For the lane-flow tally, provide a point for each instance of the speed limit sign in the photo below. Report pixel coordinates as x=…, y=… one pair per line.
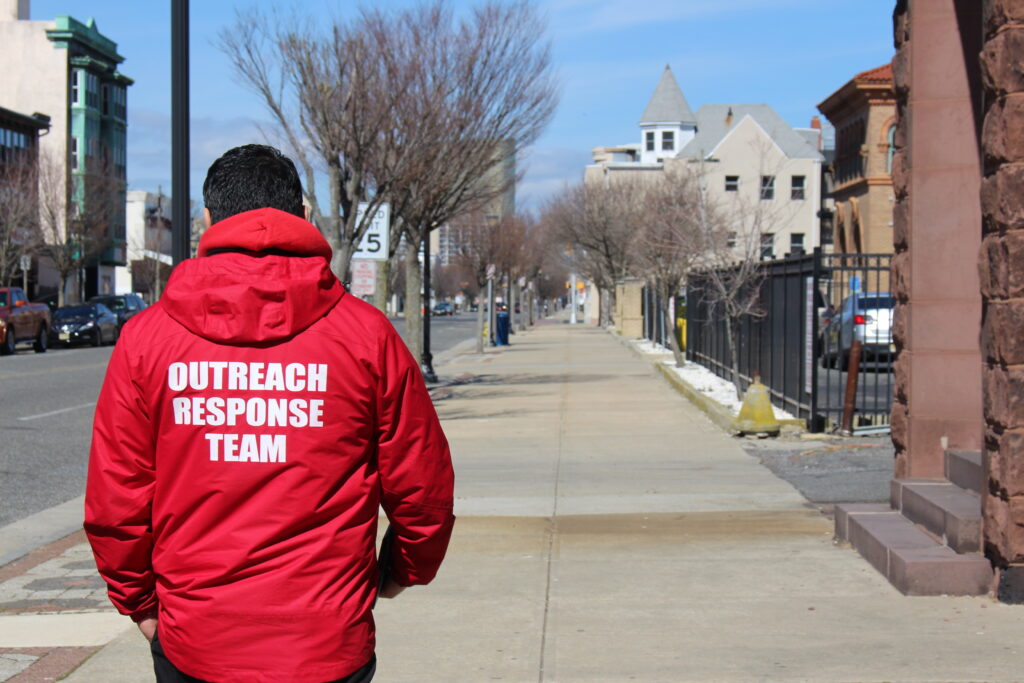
x=374, y=244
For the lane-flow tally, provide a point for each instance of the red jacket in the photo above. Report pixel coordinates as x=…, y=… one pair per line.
x=249, y=426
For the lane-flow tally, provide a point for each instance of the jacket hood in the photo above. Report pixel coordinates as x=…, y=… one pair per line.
x=245, y=298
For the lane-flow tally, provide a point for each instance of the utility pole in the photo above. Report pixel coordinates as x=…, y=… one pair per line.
x=181, y=209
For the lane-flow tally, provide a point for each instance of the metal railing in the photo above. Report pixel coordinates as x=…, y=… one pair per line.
x=800, y=338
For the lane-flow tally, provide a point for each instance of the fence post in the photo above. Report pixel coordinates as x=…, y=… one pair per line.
x=814, y=423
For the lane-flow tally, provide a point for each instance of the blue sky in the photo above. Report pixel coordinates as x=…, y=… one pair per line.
x=608, y=56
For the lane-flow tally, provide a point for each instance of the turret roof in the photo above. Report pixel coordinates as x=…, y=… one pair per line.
x=667, y=104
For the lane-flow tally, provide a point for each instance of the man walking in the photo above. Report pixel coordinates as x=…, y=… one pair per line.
x=249, y=426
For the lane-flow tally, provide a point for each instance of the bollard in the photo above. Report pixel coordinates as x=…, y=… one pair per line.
x=850, y=399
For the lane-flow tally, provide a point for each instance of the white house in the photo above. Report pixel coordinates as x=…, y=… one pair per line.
x=759, y=170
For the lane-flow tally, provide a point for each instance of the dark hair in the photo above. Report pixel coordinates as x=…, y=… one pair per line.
x=252, y=177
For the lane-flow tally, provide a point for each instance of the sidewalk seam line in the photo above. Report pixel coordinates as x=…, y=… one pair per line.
x=554, y=522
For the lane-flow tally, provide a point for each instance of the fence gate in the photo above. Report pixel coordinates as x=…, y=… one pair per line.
x=810, y=309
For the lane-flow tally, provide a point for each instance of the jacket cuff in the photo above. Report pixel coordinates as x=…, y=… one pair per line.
x=144, y=614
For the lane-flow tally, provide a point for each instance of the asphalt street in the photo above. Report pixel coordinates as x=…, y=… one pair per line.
x=46, y=418
x=445, y=331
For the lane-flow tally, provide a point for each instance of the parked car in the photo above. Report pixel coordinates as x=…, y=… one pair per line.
x=21, y=321
x=93, y=323
x=866, y=317
x=443, y=308
x=124, y=306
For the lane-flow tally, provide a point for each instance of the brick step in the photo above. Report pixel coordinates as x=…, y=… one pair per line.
x=946, y=510
x=965, y=469
x=912, y=561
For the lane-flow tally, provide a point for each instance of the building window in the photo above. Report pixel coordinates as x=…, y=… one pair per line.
x=797, y=188
x=732, y=183
x=74, y=153
x=650, y=140
x=106, y=100
x=730, y=240
x=668, y=141
x=767, y=187
x=74, y=87
x=796, y=243
x=767, y=246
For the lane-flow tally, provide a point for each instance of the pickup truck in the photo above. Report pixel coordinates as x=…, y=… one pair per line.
x=21, y=321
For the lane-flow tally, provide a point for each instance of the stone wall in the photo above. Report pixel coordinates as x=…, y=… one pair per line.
x=901, y=237
x=1001, y=265
x=936, y=233
x=629, y=315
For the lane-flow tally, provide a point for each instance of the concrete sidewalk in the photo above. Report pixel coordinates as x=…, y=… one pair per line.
x=609, y=532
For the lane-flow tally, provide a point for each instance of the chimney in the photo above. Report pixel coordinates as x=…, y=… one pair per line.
x=816, y=125
x=14, y=10
x=728, y=117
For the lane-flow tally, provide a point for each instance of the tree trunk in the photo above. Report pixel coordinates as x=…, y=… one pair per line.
x=734, y=357
x=607, y=296
x=513, y=297
x=380, y=287
x=670, y=326
x=413, y=301
x=480, y=321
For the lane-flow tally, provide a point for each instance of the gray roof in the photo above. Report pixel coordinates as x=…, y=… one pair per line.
x=667, y=104
x=712, y=128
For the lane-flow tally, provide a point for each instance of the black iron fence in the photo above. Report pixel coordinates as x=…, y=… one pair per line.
x=810, y=313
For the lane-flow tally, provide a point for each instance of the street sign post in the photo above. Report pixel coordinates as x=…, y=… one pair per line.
x=374, y=245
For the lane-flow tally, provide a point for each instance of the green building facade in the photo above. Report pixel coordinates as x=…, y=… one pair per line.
x=97, y=146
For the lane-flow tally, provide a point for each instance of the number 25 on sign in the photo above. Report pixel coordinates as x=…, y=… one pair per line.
x=374, y=244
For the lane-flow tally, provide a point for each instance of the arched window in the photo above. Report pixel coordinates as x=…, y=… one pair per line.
x=892, y=149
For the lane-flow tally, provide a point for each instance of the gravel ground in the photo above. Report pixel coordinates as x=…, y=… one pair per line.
x=829, y=470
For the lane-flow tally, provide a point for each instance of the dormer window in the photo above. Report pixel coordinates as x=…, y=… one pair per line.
x=668, y=141
x=649, y=138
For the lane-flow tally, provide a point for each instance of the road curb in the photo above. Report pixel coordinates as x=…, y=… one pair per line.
x=716, y=412
x=22, y=537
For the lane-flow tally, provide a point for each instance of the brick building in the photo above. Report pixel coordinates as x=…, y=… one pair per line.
x=863, y=113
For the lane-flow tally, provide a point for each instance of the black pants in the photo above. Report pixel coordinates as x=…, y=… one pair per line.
x=168, y=673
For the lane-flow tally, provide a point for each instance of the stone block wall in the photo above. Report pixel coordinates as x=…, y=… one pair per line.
x=1001, y=269
x=901, y=238
x=936, y=178
x=629, y=316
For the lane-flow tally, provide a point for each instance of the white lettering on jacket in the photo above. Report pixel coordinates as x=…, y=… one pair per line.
x=253, y=411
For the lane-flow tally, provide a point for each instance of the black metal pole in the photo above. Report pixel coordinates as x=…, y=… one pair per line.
x=181, y=209
x=427, y=360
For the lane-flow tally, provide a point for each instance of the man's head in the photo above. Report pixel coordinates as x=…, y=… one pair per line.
x=252, y=177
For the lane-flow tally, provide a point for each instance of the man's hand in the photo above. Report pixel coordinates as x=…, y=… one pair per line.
x=148, y=627
x=390, y=589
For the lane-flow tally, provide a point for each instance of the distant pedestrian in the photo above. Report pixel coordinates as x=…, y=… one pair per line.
x=250, y=424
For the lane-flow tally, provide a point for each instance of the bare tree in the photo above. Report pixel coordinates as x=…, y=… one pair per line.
x=481, y=90
x=76, y=216
x=19, y=215
x=732, y=233
x=324, y=90
x=671, y=239
x=597, y=225
x=479, y=240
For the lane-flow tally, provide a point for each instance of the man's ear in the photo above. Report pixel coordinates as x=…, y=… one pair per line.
x=207, y=217
x=305, y=211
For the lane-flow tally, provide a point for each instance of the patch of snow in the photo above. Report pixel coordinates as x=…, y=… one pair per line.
x=649, y=347
x=717, y=389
